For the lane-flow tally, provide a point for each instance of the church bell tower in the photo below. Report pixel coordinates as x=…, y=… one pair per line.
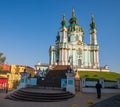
x=94, y=57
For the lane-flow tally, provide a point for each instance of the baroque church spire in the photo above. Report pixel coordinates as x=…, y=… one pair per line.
x=92, y=24
x=73, y=20
x=63, y=22
x=93, y=31
x=73, y=12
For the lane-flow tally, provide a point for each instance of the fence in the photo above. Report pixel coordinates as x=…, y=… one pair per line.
x=105, y=84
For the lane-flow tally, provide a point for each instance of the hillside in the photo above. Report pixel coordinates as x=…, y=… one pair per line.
x=94, y=75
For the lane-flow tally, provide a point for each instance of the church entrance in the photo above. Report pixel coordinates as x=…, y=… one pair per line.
x=79, y=62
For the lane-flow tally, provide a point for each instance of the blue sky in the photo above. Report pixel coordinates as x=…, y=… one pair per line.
x=29, y=27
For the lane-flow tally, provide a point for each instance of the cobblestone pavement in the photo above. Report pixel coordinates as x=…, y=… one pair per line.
x=80, y=100
x=110, y=102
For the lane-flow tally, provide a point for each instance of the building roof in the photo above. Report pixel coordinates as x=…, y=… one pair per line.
x=3, y=77
x=4, y=72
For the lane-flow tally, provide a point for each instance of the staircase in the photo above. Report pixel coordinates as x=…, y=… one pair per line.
x=53, y=78
x=39, y=95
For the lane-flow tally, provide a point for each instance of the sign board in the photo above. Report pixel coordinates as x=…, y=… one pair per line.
x=33, y=81
x=63, y=83
x=22, y=81
x=70, y=82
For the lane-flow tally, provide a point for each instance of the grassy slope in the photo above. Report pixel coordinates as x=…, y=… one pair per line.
x=94, y=75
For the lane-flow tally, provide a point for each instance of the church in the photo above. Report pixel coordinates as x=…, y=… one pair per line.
x=70, y=47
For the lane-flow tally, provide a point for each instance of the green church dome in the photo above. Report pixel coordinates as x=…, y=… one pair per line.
x=73, y=20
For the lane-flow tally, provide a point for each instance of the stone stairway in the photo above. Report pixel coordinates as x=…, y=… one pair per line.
x=53, y=78
x=39, y=95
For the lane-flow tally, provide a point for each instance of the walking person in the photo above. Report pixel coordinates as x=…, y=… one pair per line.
x=6, y=90
x=98, y=88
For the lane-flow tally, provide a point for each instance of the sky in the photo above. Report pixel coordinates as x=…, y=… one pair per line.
x=29, y=27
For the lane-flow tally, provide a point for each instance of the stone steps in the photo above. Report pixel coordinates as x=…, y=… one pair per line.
x=24, y=95
x=52, y=79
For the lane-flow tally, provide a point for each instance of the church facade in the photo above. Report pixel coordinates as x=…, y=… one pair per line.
x=70, y=47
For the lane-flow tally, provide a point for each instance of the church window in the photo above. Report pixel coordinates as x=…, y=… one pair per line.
x=77, y=29
x=77, y=37
x=71, y=39
x=79, y=51
x=79, y=62
x=68, y=29
x=68, y=38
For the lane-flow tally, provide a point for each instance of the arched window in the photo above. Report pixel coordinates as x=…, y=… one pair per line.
x=77, y=37
x=79, y=62
x=68, y=38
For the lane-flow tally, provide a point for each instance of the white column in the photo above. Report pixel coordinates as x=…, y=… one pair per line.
x=93, y=63
x=52, y=57
x=85, y=58
x=73, y=57
x=63, y=57
x=95, y=42
x=94, y=54
x=60, y=57
x=96, y=62
x=66, y=57
x=61, y=37
x=96, y=59
x=89, y=58
x=97, y=55
x=93, y=38
x=70, y=55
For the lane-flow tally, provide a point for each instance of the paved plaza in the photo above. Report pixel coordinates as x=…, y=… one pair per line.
x=110, y=102
x=80, y=100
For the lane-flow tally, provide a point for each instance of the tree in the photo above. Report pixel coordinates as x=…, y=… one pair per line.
x=2, y=58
